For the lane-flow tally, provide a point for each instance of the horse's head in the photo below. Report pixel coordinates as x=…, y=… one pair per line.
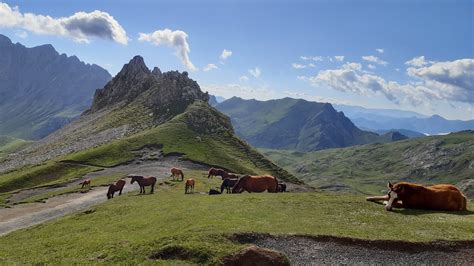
x=238, y=187
x=135, y=178
x=395, y=191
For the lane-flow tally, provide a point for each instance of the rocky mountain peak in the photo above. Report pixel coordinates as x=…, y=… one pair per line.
x=157, y=72
x=136, y=66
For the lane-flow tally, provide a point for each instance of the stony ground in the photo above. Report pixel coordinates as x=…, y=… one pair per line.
x=303, y=250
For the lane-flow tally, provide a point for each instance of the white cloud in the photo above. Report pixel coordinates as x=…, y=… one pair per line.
x=370, y=66
x=225, y=54
x=417, y=61
x=352, y=66
x=379, y=50
x=374, y=59
x=243, y=78
x=80, y=27
x=450, y=81
x=210, y=67
x=298, y=66
x=176, y=39
x=256, y=72
x=243, y=91
x=339, y=58
x=311, y=65
x=312, y=58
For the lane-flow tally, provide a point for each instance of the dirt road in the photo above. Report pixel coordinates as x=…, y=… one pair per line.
x=25, y=215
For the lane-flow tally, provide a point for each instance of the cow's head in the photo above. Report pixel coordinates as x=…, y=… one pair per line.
x=394, y=194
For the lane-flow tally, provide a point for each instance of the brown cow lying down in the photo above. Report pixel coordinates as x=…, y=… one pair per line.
x=441, y=197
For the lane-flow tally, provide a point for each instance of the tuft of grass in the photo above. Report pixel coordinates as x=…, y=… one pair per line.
x=171, y=227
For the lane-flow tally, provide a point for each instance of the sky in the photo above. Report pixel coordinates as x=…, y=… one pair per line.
x=407, y=55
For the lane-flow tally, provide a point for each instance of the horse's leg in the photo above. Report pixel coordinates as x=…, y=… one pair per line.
x=152, y=187
x=120, y=193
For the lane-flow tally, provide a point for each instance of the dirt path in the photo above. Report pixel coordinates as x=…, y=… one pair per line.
x=25, y=215
x=303, y=250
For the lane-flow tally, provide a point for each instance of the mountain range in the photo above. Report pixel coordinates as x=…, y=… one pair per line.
x=42, y=90
x=296, y=124
x=387, y=119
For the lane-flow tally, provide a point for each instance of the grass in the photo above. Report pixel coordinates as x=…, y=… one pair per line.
x=366, y=169
x=130, y=228
x=96, y=182
x=11, y=144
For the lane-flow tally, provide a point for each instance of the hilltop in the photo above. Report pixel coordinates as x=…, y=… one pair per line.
x=296, y=124
x=137, y=110
x=42, y=90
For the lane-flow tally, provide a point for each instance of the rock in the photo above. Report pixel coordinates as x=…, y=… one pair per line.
x=467, y=188
x=254, y=255
x=157, y=72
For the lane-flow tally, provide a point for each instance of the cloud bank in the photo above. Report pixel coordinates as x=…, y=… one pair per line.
x=81, y=26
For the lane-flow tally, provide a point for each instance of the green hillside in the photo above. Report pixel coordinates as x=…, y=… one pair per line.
x=10, y=144
x=201, y=134
x=132, y=229
x=296, y=124
x=366, y=169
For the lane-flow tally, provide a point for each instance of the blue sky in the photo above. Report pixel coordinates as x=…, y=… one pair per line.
x=279, y=49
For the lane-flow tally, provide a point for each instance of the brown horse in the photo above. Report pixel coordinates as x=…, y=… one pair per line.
x=217, y=172
x=189, y=186
x=85, y=183
x=443, y=197
x=256, y=184
x=144, y=182
x=118, y=186
x=177, y=172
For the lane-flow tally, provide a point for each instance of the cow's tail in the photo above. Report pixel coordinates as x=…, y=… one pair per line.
x=464, y=203
x=276, y=188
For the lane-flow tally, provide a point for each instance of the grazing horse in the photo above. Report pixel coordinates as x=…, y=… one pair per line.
x=256, y=184
x=118, y=186
x=216, y=172
x=228, y=184
x=85, y=183
x=189, y=186
x=441, y=197
x=177, y=172
x=281, y=187
x=144, y=182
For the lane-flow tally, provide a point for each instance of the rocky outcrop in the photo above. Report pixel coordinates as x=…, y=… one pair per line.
x=40, y=88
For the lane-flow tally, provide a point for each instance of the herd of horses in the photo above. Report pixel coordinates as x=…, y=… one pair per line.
x=443, y=197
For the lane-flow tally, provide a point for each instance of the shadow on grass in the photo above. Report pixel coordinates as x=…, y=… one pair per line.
x=422, y=212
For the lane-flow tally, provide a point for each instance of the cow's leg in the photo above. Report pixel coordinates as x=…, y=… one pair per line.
x=377, y=198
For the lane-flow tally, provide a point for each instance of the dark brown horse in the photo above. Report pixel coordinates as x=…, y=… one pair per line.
x=216, y=172
x=256, y=184
x=230, y=176
x=85, y=183
x=189, y=186
x=228, y=184
x=177, y=172
x=118, y=186
x=281, y=187
x=144, y=182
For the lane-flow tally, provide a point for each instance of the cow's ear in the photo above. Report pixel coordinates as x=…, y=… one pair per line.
x=389, y=185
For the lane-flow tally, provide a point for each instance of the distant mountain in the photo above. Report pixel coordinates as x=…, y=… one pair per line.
x=215, y=100
x=386, y=119
x=409, y=133
x=296, y=124
x=433, y=125
x=41, y=90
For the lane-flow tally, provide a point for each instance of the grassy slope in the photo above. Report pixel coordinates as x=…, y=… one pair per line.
x=11, y=144
x=129, y=228
x=220, y=148
x=368, y=168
